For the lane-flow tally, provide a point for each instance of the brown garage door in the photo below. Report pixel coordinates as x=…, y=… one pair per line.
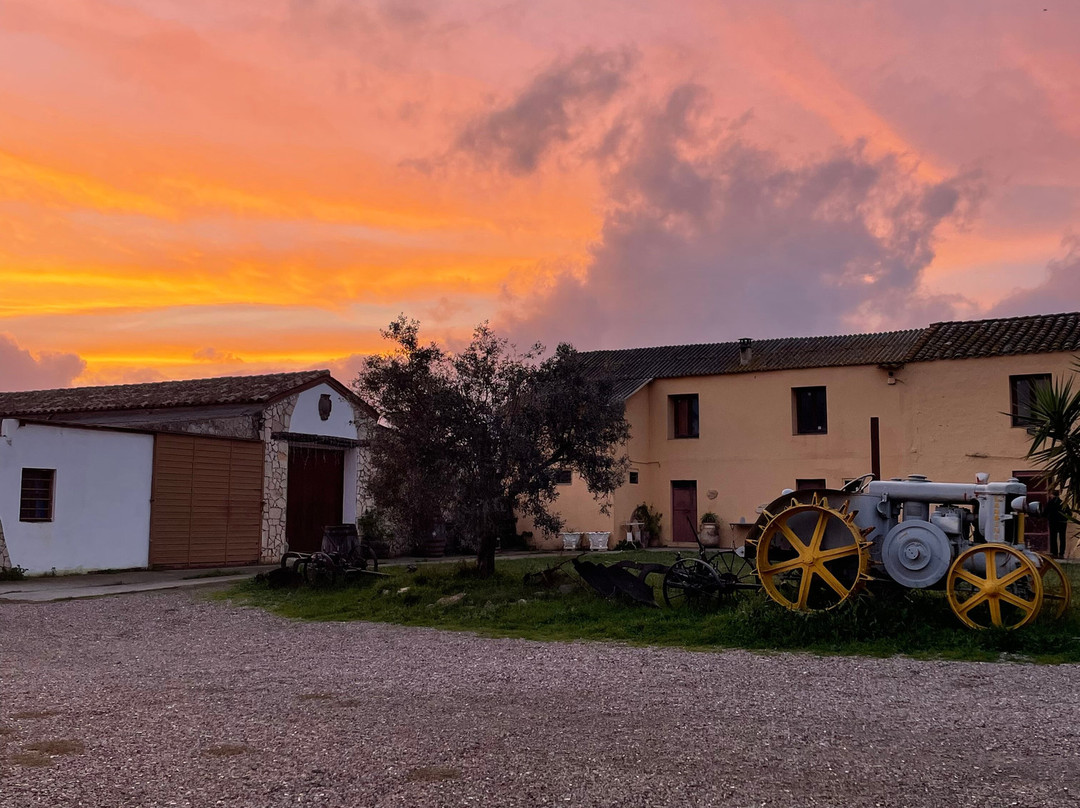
x=206, y=506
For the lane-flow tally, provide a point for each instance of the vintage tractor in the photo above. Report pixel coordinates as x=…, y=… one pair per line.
x=815, y=549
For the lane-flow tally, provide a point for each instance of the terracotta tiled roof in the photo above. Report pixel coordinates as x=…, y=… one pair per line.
x=1044, y=333
x=159, y=395
x=632, y=368
x=642, y=364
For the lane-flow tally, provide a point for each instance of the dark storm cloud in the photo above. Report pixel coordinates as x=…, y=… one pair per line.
x=713, y=243
x=549, y=111
x=19, y=370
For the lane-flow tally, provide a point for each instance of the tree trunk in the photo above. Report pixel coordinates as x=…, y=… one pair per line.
x=485, y=555
x=489, y=539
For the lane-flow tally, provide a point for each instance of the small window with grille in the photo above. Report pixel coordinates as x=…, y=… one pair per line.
x=36, y=495
x=809, y=411
x=684, y=416
x=1022, y=394
x=563, y=477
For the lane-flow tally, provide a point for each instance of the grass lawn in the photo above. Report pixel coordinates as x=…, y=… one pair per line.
x=884, y=622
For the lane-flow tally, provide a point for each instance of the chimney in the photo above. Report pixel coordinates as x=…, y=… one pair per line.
x=745, y=354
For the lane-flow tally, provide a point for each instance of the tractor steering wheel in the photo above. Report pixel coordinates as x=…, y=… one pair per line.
x=858, y=484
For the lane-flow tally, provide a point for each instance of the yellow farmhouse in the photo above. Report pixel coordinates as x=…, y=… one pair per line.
x=725, y=427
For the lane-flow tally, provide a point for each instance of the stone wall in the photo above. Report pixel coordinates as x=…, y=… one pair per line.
x=364, y=424
x=276, y=419
x=234, y=422
x=275, y=478
x=5, y=559
x=230, y=427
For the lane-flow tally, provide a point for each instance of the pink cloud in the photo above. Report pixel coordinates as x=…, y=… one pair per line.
x=21, y=370
x=1060, y=291
x=710, y=239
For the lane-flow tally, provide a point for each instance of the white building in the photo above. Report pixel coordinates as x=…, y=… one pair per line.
x=194, y=473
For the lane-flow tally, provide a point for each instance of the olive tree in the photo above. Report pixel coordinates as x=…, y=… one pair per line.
x=475, y=435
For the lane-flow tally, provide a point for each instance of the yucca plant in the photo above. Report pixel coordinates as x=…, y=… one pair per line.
x=1055, y=439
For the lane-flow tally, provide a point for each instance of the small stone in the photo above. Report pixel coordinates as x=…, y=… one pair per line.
x=450, y=600
x=403, y=589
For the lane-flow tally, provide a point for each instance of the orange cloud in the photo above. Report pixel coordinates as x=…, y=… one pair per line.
x=277, y=180
x=782, y=56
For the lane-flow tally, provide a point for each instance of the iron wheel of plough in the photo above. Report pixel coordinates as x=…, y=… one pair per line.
x=692, y=582
x=735, y=572
x=320, y=570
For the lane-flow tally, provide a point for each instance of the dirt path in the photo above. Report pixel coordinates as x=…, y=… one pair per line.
x=170, y=700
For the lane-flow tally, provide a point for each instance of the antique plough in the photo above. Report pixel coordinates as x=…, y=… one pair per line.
x=626, y=578
x=344, y=557
x=701, y=582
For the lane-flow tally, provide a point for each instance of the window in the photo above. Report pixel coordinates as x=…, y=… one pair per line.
x=633, y=478
x=684, y=416
x=809, y=410
x=36, y=498
x=1022, y=392
x=807, y=485
x=563, y=477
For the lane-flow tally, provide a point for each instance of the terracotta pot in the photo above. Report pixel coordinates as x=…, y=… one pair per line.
x=710, y=534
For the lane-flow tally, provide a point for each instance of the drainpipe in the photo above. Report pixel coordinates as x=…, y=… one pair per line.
x=875, y=448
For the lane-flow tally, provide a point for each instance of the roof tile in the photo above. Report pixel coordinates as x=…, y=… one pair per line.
x=765, y=355
x=1044, y=333
x=157, y=395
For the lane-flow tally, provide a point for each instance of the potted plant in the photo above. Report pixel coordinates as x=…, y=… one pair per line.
x=650, y=524
x=710, y=529
x=373, y=530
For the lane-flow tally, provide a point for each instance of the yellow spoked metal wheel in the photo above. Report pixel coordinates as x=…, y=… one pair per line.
x=811, y=557
x=1057, y=591
x=994, y=585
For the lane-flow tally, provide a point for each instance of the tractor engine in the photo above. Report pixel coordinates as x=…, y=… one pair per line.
x=915, y=545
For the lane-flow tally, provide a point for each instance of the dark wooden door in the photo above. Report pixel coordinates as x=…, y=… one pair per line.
x=1036, y=528
x=316, y=491
x=683, y=510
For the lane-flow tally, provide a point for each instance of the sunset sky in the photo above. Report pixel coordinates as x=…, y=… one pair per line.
x=212, y=187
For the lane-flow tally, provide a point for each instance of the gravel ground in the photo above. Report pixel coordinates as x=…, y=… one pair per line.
x=171, y=700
